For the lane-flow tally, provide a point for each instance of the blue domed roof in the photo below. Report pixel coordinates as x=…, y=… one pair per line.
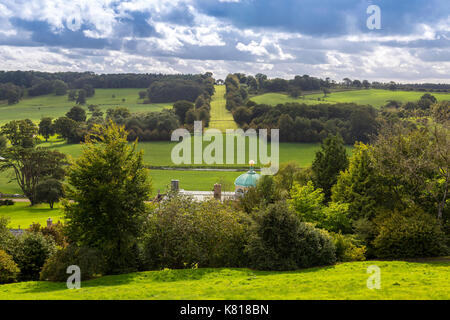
x=248, y=179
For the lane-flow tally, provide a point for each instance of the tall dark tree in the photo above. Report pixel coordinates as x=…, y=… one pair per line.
x=77, y=114
x=46, y=128
x=81, y=98
x=328, y=163
x=181, y=107
x=60, y=87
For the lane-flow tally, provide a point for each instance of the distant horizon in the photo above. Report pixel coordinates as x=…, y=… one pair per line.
x=223, y=78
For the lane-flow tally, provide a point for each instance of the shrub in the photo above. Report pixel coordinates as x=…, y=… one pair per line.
x=182, y=233
x=55, y=231
x=280, y=241
x=8, y=268
x=89, y=260
x=7, y=202
x=33, y=249
x=348, y=248
x=408, y=234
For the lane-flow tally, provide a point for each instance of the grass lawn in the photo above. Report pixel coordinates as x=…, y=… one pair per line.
x=158, y=153
x=399, y=280
x=374, y=97
x=221, y=118
x=21, y=214
x=273, y=99
x=35, y=108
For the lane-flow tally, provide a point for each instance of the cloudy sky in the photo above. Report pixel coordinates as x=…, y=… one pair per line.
x=281, y=38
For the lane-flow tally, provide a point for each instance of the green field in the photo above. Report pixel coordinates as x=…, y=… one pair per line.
x=35, y=108
x=158, y=153
x=399, y=280
x=22, y=215
x=374, y=97
x=221, y=118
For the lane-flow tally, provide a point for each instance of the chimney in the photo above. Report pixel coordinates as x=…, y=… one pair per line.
x=175, y=185
x=218, y=191
x=49, y=222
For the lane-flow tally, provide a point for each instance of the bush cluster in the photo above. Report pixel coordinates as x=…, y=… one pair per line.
x=89, y=260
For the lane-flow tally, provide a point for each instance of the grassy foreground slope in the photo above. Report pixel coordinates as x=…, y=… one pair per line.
x=221, y=118
x=35, y=108
x=374, y=97
x=399, y=280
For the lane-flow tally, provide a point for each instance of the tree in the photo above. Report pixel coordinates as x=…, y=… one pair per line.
x=326, y=92
x=81, y=98
x=20, y=133
x=49, y=191
x=77, y=114
x=242, y=115
x=109, y=185
x=65, y=126
x=46, y=128
x=60, y=87
x=31, y=166
x=72, y=95
x=89, y=89
x=142, y=94
x=181, y=107
x=366, y=84
x=415, y=165
x=328, y=163
x=360, y=186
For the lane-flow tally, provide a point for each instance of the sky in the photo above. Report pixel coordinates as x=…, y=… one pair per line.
x=280, y=38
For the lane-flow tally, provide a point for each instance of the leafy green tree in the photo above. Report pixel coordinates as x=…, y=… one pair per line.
x=67, y=129
x=359, y=186
x=118, y=115
x=181, y=107
x=81, y=98
x=49, y=191
x=242, y=115
x=20, y=133
x=77, y=114
x=307, y=202
x=60, y=87
x=109, y=185
x=72, y=95
x=46, y=128
x=31, y=166
x=328, y=163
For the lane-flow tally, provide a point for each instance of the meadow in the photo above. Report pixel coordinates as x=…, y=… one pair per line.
x=221, y=118
x=21, y=215
x=35, y=108
x=399, y=280
x=374, y=97
x=158, y=153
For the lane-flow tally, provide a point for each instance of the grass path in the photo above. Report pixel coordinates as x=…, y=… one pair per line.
x=399, y=280
x=221, y=118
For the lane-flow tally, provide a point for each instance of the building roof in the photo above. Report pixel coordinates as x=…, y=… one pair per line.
x=248, y=179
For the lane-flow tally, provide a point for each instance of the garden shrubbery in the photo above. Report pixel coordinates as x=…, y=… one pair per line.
x=407, y=234
x=8, y=268
x=89, y=260
x=280, y=241
x=183, y=233
x=30, y=253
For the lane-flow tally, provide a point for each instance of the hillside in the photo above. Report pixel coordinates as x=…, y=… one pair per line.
x=374, y=97
x=56, y=106
x=399, y=280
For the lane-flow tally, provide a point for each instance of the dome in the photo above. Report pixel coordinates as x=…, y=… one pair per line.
x=247, y=179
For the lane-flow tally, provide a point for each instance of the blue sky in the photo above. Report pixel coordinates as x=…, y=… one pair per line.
x=281, y=38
